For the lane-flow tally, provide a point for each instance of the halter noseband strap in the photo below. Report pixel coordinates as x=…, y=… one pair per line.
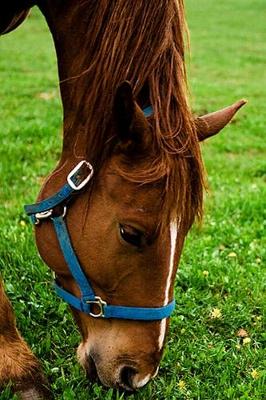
x=88, y=301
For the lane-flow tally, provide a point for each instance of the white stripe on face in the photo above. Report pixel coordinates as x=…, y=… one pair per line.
x=173, y=236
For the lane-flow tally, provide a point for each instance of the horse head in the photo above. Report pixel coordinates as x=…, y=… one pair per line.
x=128, y=238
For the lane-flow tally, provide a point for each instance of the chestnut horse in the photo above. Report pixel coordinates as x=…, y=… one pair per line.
x=128, y=224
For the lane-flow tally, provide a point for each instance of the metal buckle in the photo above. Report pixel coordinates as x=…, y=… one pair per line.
x=42, y=215
x=47, y=214
x=86, y=180
x=100, y=303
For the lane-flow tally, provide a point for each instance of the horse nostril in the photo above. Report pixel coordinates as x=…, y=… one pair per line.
x=126, y=378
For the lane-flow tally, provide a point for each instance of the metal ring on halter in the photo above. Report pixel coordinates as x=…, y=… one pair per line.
x=64, y=212
x=100, y=303
x=42, y=215
x=48, y=214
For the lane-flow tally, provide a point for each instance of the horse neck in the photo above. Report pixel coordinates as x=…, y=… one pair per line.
x=67, y=45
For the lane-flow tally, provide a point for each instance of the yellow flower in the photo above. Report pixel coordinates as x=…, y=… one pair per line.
x=181, y=384
x=216, y=313
x=22, y=223
x=255, y=374
x=246, y=340
x=205, y=273
x=232, y=254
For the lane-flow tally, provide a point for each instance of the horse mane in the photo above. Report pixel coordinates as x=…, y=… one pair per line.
x=142, y=42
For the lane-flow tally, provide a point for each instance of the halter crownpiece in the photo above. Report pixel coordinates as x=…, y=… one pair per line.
x=148, y=111
x=77, y=179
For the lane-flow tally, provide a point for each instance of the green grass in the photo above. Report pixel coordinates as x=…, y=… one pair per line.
x=204, y=358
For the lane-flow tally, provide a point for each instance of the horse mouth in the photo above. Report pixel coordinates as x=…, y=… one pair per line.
x=93, y=376
x=91, y=370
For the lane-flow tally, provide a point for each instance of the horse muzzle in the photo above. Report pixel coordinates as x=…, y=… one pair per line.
x=124, y=372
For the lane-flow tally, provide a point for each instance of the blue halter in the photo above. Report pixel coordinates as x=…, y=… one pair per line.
x=88, y=301
x=148, y=111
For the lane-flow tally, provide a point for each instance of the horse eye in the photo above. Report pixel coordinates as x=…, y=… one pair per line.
x=131, y=235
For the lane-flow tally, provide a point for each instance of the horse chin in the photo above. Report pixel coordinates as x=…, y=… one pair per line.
x=86, y=361
x=91, y=371
x=92, y=374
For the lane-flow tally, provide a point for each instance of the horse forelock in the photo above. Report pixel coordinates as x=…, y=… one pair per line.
x=144, y=43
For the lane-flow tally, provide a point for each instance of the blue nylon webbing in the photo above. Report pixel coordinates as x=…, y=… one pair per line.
x=148, y=111
x=63, y=194
x=139, y=313
x=71, y=259
x=119, y=312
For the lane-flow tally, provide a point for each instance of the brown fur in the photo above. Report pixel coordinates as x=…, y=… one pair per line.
x=17, y=363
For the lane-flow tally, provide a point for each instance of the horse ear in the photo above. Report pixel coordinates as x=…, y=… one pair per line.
x=124, y=110
x=211, y=124
x=130, y=122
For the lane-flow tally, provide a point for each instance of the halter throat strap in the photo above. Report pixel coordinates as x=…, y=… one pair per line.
x=88, y=302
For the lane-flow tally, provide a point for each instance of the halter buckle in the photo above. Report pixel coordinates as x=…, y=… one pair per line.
x=100, y=303
x=47, y=214
x=42, y=215
x=72, y=173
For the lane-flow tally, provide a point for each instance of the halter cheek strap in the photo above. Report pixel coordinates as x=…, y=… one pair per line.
x=88, y=302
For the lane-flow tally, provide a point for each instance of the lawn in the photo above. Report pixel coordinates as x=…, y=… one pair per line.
x=220, y=287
